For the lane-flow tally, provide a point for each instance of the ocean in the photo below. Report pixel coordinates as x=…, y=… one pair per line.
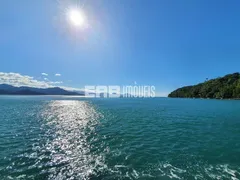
x=47, y=137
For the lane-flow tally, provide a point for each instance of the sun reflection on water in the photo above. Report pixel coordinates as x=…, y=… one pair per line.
x=72, y=127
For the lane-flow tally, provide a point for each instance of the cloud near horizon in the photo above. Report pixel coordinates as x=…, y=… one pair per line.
x=56, y=82
x=57, y=74
x=16, y=79
x=44, y=74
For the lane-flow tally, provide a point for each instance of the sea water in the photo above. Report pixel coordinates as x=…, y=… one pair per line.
x=45, y=137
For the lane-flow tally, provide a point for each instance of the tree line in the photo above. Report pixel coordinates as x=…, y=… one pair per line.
x=227, y=87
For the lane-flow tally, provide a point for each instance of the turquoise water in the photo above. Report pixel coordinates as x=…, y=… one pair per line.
x=159, y=138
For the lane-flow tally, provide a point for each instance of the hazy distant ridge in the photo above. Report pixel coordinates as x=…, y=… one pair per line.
x=6, y=89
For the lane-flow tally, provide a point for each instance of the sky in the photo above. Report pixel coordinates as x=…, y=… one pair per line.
x=163, y=43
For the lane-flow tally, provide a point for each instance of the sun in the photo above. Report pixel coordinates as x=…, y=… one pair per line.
x=76, y=17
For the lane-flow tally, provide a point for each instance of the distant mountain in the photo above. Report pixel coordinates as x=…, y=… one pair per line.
x=23, y=90
x=7, y=87
x=227, y=87
x=3, y=91
x=27, y=92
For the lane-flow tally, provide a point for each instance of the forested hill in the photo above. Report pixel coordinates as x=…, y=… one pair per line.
x=227, y=87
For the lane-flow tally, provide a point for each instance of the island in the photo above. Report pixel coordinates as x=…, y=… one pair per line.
x=227, y=87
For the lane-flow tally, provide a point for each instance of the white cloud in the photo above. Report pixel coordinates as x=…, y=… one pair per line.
x=44, y=74
x=72, y=89
x=16, y=79
x=56, y=82
x=57, y=74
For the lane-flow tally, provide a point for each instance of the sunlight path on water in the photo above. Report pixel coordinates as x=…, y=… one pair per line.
x=71, y=124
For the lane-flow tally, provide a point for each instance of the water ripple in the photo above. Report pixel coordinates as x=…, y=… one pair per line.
x=119, y=139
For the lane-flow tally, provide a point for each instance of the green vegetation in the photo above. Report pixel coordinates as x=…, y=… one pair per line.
x=227, y=87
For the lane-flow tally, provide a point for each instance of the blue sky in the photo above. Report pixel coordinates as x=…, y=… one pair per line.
x=165, y=43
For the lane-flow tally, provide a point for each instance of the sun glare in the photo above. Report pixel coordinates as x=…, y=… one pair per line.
x=76, y=17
